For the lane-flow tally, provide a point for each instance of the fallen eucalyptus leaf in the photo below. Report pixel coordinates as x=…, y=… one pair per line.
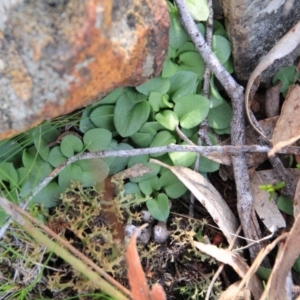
x=283, y=47
x=236, y=262
x=265, y=208
x=208, y=196
x=287, y=130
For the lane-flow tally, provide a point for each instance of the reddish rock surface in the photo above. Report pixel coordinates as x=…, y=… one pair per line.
x=59, y=55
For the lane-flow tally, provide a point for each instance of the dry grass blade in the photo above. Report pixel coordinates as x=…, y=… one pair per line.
x=236, y=262
x=208, y=196
x=287, y=129
x=283, y=47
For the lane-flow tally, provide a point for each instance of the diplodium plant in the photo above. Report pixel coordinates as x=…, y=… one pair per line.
x=72, y=203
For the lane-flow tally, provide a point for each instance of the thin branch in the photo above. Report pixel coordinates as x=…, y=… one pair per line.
x=204, y=150
x=235, y=92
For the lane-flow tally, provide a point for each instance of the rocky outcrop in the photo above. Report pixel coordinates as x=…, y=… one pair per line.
x=254, y=27
x=59, y=55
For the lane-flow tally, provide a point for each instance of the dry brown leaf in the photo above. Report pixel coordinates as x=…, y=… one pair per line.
x=283, y=47
x=265, y=208
x=236, y=262
x=287, y=130
x=157, y=293
x=285, y=259
x=136, y=276
x=208, y=196
x=132, y=172
x=232, y=293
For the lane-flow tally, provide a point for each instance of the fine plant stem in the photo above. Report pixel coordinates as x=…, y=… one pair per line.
x=22, y=218
x=235, y=92
x=202, y=133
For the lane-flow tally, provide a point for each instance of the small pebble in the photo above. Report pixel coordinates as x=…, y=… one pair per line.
x=160, y=233
x=146, y=216
x=144, y=236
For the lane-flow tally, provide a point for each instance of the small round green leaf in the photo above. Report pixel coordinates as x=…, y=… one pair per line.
x=199, y=9
x=155, y=100
x=186, y=47
x=182, y=83
x=193, y=62
x=119, y=163
x=168, y=119
x=285, y=204
x=103, y=117
x=93, y=171
x=132, y=188
x=97, y=139
x=159, y=208
x=220, y=117
x=155, y=170
x=129, y=117
x=56, y=157
x=163, y=138
x=286, y=75
x=112, y=97
x=169, y=68
x=173, y=187
x=148, y=186
x=191, y=110
x=208, y=165
x=183, y=159
x=158, y=84
x=70, y=145
x=177, y=34
x=9, y=174
x=221, y=48
x=85, y=123
x=48, y=196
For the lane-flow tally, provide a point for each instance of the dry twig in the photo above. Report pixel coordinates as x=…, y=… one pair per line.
x=235, y=91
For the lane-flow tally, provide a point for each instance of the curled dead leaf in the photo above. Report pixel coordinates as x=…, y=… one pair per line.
x=208, y=196
x=283, y=47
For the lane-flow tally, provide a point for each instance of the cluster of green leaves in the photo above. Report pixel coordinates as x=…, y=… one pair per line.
x=144, y=116
x=287, y=76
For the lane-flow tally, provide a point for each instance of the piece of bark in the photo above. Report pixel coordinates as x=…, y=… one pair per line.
x=58, y=55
